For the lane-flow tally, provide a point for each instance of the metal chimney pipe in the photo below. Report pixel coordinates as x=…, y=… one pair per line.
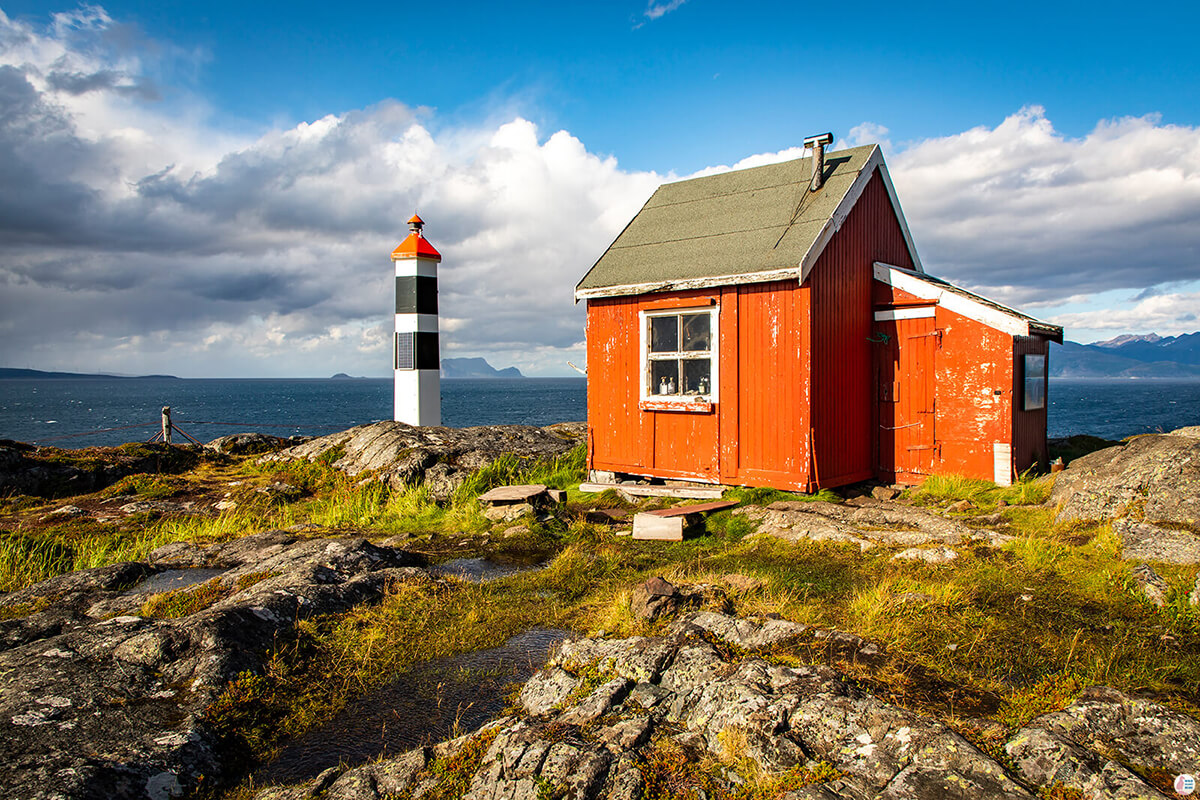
x=817, y=143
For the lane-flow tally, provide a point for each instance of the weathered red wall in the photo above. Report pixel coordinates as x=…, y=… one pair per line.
x=843, y=401
x=974, y=388
x=974, y=378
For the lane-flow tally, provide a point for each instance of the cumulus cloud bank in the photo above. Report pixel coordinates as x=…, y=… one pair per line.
x=133, y=239
x=138, y=236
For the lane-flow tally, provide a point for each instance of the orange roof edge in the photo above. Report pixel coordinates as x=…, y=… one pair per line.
x=416, y=246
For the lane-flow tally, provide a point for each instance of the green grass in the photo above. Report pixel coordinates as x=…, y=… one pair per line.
x=26, y=558
x=942, y=490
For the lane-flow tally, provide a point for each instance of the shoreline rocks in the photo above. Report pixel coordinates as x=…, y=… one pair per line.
x=100, y=702
x=402, y=454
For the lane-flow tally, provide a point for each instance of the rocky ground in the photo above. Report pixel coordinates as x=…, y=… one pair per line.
x=604, y=714
x=110, y=690
x=101, y=700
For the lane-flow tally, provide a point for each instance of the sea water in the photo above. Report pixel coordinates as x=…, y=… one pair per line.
x=68, y=412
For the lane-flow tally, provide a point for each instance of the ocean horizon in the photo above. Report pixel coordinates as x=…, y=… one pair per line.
x=84, y=412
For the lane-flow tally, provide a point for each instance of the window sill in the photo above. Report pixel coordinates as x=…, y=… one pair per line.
x=684, y=406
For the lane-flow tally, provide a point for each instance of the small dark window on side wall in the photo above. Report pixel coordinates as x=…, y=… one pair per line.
x=1034, y=382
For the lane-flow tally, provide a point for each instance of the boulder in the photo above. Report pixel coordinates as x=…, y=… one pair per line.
x=590, y=722
x=588, y=725
x=100, y=702
x=442, y=457
x=655, y=598
x=1153, y=478
x=245, y=444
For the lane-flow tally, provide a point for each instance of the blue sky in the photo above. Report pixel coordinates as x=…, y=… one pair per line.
x=242, y=164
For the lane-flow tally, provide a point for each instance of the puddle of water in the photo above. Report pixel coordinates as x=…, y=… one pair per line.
x=170, y=579
x=481, y=569
x=422, y=707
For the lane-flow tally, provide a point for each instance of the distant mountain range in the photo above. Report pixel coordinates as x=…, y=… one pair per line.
x=11, y=372
x=1147, y=356
x=475, y=368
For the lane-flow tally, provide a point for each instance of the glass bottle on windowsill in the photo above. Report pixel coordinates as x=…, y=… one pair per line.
x=662, y=386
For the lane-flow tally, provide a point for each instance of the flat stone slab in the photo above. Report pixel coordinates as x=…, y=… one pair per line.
x=1141, y=541
x=522, y=493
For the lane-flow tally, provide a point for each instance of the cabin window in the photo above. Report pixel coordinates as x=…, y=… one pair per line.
x=1035, y=382
x=678, y=349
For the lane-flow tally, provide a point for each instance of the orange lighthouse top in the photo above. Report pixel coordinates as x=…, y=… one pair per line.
x=416, y=245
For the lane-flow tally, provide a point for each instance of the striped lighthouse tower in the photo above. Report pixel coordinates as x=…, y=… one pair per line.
x=418, y=398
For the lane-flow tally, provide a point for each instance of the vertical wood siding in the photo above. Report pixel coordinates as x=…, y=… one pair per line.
x=906, y=378
x=772, y=389
x=843, y=391
x=615, y=437
x=1029, y=427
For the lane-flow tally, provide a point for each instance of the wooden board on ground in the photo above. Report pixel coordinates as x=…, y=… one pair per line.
x=637, y=490
x=512, y=494
x=698, y=508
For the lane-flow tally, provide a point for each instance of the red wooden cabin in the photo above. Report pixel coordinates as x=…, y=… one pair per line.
x=765, y=328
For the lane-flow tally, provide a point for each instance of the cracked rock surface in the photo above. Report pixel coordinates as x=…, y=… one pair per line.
x=99, y=702
x=1153, y=478
x=403, y=454
x=585, y=724
x=866, y=524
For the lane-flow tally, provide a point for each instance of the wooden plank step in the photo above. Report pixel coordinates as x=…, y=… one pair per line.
x=682, y=492
x=699, y=508
x=512, y=494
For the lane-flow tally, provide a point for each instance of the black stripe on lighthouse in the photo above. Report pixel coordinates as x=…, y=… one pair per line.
x=417, y=350
x=416, y=294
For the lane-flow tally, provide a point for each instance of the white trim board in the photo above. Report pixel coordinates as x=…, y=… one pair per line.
x=915, y=284
x=921, y=312
x=687, y=283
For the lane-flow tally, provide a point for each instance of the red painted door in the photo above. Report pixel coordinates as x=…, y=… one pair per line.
x=906, y=352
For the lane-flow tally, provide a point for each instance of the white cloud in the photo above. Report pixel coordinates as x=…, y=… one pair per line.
x=139, y=237
x=1022, y=212
x=269, y=255
x=1167, y=314
x=656, y=10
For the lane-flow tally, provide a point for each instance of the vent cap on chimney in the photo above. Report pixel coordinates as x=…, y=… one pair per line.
x=820, y=139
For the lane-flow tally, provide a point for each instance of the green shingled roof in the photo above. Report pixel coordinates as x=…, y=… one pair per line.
x=734, y=224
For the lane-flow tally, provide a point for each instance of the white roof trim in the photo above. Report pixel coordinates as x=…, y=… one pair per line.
x=891, y=190
x=909, y=281
x=687, y=283
x=838, y=218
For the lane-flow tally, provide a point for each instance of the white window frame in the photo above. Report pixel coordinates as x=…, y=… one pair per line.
x=1042, y=362
x=651, y=399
